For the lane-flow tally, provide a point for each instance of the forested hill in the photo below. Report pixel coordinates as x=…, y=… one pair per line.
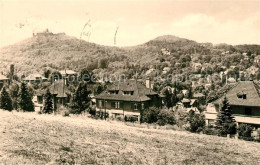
x=48, y=51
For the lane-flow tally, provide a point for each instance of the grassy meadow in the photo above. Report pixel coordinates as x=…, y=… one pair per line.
x=29, y=138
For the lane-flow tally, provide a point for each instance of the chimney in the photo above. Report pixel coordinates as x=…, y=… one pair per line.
x=148, y=83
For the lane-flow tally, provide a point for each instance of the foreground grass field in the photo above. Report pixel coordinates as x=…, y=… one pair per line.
x=29, y=138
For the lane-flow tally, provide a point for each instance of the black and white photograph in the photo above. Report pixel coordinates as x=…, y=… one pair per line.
x=130, y=82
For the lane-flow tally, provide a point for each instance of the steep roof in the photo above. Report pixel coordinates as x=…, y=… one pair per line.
x=249, y=88
x=2, y=77
x=59, y=88
x=140, y=92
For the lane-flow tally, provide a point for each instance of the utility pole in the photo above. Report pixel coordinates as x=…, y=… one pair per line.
x=115, y=38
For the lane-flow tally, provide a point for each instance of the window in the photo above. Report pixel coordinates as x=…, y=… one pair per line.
x=142, y=105
x=135, y=107
x=128, y=92
x=115, y=104
x=100, y=103
x=113, y=92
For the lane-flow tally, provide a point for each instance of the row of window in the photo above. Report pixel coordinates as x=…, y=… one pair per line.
x=125, y=92
x=118, y=105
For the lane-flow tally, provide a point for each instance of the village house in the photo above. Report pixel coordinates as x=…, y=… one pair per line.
x=244, y=100
x=188, y=105
x=60, y=93
x=3, y=80
x=69, y=75
x=128, y=98
x=35, y=78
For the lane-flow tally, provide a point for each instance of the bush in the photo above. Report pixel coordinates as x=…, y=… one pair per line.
x=150, y=115
x=210, y=130
x=166, y=117
x=131, y=118
x=228, y=128
x=244, y=131
x=65, y=113
x=197, y=122
x=92, y=111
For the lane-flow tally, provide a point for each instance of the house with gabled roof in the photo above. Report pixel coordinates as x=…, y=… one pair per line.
x=60, y=93
x=69, y=75
x=127, y=98
x=35, y=78
x=244, y=100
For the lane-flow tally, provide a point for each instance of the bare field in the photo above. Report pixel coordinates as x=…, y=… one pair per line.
x=29, y=138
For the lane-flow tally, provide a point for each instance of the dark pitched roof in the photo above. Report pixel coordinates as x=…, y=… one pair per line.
x=59, y=88
x=249, y=88
x=140, y=92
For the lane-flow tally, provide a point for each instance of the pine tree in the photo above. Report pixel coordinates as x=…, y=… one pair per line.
x=48, y=104
x=225, y=122
x=25, y=102
x=5, y=100
x=82, y=99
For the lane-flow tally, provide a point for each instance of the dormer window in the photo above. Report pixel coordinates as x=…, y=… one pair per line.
x=113, y=92
x=241, y=95
x=128, y=92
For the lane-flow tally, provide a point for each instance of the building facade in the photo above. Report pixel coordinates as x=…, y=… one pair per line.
x=128, y=98
x=244, y=100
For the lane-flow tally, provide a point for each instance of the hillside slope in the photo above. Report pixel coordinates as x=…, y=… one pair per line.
x=55, y=51
x=28, y=138
x=58, y=51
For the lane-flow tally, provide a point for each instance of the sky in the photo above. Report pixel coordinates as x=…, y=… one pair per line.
x=138, y=21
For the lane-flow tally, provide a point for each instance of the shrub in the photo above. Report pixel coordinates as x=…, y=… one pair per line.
x=92, y=111
x=65, y=113
x=131, y=118
x=210, y=130
x=5, y=100
x=166, y=117
x=244, y=131
x=150, y=115
x=197, y=122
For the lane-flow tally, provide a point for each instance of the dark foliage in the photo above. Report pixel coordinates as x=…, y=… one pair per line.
x=197, y=122
x=25, y=102
x=81, y=100
x=166, y=117
x=225, y=122
x=244, y=131
x=150, y=115
x=5, y=100
x=48, y=104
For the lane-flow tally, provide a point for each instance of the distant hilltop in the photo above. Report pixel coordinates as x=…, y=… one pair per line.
x=46, y=33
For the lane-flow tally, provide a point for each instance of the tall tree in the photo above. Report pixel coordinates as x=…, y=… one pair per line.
x=48, y=104
x=225, y=122
x=25, y=103
x=11, y=72
x=14, y=92
x=168, y=98
x=81, y=100
x=5, y=100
